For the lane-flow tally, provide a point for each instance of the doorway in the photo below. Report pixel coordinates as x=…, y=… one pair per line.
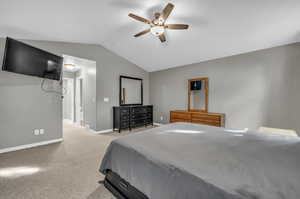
x=79, y=83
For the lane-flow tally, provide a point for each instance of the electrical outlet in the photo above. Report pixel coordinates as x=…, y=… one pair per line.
x=106, y=99
x=36, y=131
x=42, y=131
x=161, y=118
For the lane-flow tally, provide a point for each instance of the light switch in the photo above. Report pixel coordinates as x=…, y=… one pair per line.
x=42, y=131
x=106, y=99
x=36, y=132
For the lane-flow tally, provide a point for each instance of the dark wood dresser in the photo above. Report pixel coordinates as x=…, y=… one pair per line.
x=128, y=117
x=211, y=119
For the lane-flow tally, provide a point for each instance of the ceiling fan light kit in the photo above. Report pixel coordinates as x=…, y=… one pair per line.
x=157, y=30
x=157, y=25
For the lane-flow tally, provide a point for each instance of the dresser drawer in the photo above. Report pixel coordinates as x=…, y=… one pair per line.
x=124, y=124
x=125, y=117
x=149, y=116
x=148, y=121
x=136, y=123
x=178, y=115
x=138, y=110
x=206, y=117
x=138, y=116
x=179, y=120
x=124, y=111
x=149, y=109
x=207, y=122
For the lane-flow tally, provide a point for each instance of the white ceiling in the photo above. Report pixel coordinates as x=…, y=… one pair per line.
x=219, y=28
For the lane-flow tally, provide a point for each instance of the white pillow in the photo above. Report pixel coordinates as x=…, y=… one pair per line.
x=278, y=131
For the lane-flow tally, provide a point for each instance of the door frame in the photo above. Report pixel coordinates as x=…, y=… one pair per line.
x=72, y=98
x=80, y=99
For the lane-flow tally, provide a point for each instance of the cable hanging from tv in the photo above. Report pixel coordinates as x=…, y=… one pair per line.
x=52, y=91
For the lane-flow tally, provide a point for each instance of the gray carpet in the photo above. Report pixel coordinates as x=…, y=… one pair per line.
x=67, y=170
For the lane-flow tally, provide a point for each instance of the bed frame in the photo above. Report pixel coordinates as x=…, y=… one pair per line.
x=120, y=188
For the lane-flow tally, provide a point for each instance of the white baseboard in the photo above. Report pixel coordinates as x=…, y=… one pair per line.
x=158, y=124
x=103, y=131
x=91, y=130
x=27, y=146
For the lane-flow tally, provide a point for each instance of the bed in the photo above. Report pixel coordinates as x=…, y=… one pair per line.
x=187, y=161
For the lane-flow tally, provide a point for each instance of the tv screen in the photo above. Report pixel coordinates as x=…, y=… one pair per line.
x=196, y=85
x=25, y=59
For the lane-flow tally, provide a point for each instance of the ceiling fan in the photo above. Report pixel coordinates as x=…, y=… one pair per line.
x=158, y=24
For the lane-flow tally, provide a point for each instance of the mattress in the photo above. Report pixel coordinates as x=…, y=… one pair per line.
x=187, y=161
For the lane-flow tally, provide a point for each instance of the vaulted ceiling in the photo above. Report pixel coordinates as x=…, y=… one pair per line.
x=218, y=28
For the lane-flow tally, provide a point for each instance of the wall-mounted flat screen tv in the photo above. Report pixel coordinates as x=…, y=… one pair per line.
x=25, y=59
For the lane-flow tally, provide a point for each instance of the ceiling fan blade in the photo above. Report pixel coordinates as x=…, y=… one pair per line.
x=167, y=11
x=177, y=26
x=162, y=38
x=141, y=19
x=142, y=33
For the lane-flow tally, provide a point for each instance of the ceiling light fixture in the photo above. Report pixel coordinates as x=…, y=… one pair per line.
x=70, y=66
x=157, y=30
x=157, y=25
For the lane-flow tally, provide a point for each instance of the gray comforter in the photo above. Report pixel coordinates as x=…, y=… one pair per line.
x=185, y=161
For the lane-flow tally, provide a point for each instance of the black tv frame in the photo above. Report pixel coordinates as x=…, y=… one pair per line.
x=5, y=68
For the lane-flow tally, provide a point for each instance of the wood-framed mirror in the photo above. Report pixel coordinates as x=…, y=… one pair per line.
x=131, y=91
x=198, y=95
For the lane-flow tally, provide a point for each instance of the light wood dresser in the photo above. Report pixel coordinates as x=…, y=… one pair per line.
x=197, y=111
x=211, y=119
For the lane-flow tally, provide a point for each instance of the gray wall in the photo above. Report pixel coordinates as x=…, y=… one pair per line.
x=23, y=106
x=254, y=89
x=109, y=67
